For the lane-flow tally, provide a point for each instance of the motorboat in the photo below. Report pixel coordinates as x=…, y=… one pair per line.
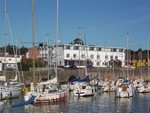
x=86, y=90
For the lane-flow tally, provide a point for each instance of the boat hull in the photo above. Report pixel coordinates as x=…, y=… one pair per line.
x=86, y=90
x=50, y=97
x=10, y=93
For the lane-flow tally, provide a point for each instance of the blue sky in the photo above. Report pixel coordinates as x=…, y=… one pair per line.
x=103, y=22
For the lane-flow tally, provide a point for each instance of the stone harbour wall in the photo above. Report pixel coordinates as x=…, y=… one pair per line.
x=102, y=73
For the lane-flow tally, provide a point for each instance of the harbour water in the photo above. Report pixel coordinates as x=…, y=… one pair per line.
x=102, y=103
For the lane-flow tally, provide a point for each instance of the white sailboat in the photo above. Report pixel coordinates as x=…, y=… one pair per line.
x=125, y=89
x=6, y=90
x=16, y=81
x=46, y=92
x=144, y=88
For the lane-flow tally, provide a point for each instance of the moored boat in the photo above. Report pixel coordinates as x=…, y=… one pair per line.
x=46, y=93
x=126, y=90
x=86, y=90
x=9, y=92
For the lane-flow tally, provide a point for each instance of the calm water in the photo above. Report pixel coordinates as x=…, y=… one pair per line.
x=102, y=103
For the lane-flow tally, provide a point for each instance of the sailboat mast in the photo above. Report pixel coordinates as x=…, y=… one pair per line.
x=5, y=40
x=86, y=55
x=48, y=57
x=57, y=33
x=147, y=59
x=127, y=38
x=33, y=41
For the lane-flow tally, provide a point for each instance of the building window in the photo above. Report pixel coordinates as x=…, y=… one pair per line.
x=76, y=47
x=67, y=55
x=67, y=47
x=92, y=56
x=114, y=49
x=83, y=55
x=98, y=63
x=116, y=57
x=120, y=50
x=111, y=57
x=74, y=55
x=99, y=49
x=111, y=49
x=106, y=57
x=91, y=48
x=98, y=56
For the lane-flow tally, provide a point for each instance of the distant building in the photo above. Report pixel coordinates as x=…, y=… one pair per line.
x=33, y=53
x=81, y=55
x=140, y=58
x=10, y=61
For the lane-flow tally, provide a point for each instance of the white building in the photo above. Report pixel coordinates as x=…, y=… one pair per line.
x=98, y=56
x=10, y=61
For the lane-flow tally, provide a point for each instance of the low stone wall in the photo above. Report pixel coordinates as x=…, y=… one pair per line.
x=102, y=73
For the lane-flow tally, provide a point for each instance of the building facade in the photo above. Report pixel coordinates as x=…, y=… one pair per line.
x=81, y=55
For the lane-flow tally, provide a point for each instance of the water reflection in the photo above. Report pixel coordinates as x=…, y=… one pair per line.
x=45, y=108
x=124, y=104
x=102, y=103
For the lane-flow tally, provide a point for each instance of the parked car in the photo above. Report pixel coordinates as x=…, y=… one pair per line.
x=72, y=67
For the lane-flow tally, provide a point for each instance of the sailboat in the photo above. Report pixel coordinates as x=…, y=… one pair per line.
x=84, y=87
x=7, y=90
x=126, y=90
x=46, y=92
x=17, y=80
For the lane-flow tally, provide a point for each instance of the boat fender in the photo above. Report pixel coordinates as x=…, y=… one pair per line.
x=118, y=111
x=25, y=90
